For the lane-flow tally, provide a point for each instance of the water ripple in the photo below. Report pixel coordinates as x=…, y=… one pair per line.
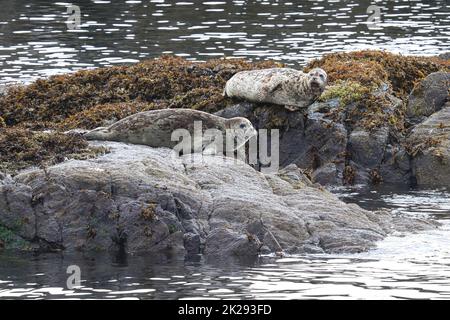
x=415, y=266
x=126, y=32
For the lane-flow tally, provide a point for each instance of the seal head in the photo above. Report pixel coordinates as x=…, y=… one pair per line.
x=317, y=80
x=242, y=129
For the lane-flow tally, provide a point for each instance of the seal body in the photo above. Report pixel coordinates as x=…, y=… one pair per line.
x=166, y=127
x=283, y=86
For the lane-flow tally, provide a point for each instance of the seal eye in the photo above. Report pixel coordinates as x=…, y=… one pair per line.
x=321, y=76
x=242, y=126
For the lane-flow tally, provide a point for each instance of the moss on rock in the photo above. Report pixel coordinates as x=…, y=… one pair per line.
x=364, y=107
x=371, y=67
x=418, y=145
x=9, y=240
x=346, y=91
x=364, y=82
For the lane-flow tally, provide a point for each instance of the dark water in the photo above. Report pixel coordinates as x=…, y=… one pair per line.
x=401, y=267
x=35, y=40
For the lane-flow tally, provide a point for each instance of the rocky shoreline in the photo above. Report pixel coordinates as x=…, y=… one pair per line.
x=383, y=119
x=138, y=199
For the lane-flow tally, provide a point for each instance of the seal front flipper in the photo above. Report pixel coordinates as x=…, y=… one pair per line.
x=275, y=86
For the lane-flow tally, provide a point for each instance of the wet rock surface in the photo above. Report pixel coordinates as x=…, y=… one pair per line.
x=154, y=202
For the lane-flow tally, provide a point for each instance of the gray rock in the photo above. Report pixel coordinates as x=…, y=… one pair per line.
x=223, y=242
x=367, y=148
x=326, y=140
x=361, y=175
x=396, y=166
x=265, y=250
x=328, y=175
x=192, y=243
x=311, y=141
x=140, y=199
x=430, y=142
x=295, y=176
x=243, y=109
x=428, y=97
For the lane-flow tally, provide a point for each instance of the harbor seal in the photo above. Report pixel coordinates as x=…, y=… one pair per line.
x=164, y=128
x=284, y=86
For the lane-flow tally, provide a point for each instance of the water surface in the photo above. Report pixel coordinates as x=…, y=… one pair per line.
x=35, y=40
x=415, y=266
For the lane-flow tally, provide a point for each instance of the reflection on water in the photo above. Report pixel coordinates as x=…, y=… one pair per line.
x=411, y=266
x=35, y=40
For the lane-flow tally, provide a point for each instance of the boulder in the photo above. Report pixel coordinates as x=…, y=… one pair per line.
x=396, y=166
x=243, y=109
x=428, y=96
x=328, y=175
x=138, y=199
x=325, y=139
x=430, y=147
x=366, y=148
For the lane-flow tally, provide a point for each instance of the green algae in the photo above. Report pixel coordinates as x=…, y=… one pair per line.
x=347, y=91
x=9, y=240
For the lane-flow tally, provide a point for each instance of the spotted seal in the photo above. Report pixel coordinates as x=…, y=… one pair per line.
x=283, y=86
x=165, y=127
